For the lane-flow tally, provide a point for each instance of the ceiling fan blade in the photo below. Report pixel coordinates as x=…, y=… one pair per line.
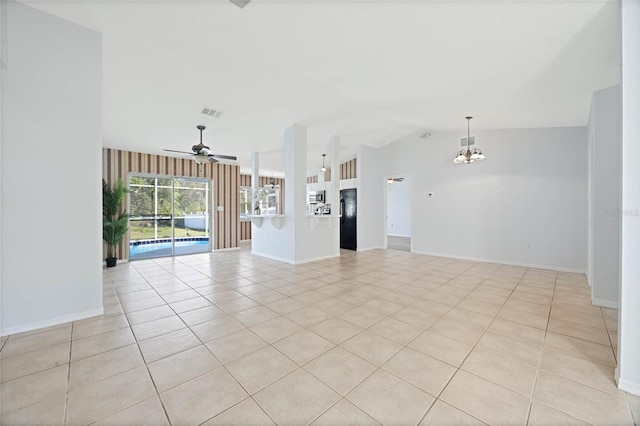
x=181, y=152
x=224, y=157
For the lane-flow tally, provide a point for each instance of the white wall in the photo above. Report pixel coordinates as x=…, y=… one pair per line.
x=526, y=204
x=604, y=197
x=51, y=171
x=399, y=208
x=628, y=370
x=370, y=169
x=349, y=183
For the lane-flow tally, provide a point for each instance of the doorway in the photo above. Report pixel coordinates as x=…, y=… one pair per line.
x=399, y=213
x=168, y=216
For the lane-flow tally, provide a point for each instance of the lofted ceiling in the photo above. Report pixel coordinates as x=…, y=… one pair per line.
x=369, y=71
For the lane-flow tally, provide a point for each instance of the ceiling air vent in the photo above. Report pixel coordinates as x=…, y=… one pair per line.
x=472, y=141
x=211, y=112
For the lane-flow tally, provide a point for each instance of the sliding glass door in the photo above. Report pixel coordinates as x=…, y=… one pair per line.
x=169, y=216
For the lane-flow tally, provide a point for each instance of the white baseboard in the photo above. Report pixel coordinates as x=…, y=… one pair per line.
x=51, y=322
x=370, y=248
x=292, y=261
x=315, y=259
x=268, y=256
x=503, y=262
x=604, y=303
x=627, y=386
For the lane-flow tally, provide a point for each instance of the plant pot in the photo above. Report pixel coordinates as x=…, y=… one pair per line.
x=111, y=261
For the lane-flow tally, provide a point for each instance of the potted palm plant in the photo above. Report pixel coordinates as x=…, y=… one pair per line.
x=114, y=219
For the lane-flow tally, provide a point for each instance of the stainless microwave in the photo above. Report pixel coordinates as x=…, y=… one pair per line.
x=316, y=197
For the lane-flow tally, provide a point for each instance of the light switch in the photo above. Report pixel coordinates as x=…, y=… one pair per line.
x=220, y=208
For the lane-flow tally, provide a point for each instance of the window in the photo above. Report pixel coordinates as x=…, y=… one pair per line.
x=245, y=202
x=169, y=216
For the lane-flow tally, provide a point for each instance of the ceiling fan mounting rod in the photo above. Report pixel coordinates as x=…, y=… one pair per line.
x=468, y=131
x=201, y=128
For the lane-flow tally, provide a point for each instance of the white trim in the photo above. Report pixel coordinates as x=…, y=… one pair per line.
x=294, y=262
x=315, y=259
x=244, y=241
x=370, y=248
x=630, y=387
x=503, y=262
x=225, y=249
x=605, y=303
x=52, y=321
x=268, y=256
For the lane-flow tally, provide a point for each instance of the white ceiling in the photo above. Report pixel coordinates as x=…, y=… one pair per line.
x=370, y=71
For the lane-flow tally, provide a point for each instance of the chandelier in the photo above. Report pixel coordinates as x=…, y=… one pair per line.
x=466, y=156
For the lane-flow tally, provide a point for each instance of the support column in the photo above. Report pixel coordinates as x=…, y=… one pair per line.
x=295, y=175
x=255, y=178
x=334, y=193
x=628, y=370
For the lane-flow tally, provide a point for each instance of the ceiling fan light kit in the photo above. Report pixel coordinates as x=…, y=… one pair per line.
x=201, y=159
x=468, y=156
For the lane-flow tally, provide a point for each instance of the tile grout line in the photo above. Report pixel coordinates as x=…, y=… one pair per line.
x=222, y=365
x=544, y=340
x=202, y=343
x=66, y=394
x=606, y=327
x=458, y=368
x=145, y=364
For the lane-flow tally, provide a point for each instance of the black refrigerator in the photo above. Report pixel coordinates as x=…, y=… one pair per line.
x=348, y=219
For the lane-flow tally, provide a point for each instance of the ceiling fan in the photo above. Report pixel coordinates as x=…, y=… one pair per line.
x=202, y=153
x=391, y=180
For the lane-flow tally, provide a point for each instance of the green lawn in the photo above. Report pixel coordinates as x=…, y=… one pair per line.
x=137, y=232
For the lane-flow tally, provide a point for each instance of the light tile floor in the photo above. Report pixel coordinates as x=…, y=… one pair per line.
x=377, y=337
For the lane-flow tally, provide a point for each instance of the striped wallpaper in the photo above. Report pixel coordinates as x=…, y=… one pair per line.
x=348, y=170
x=226, y=187
x=245, y=180
x=245, y=227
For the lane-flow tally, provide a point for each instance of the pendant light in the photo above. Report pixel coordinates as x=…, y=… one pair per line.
x=323, y=169
x=468, y=156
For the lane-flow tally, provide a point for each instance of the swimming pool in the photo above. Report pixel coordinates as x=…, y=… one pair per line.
x=149, y=249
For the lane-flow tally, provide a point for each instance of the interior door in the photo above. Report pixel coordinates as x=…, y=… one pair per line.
x=348, y=235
